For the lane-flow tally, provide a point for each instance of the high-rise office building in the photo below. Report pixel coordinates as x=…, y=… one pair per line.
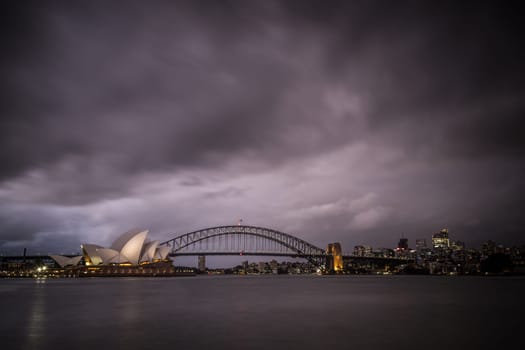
x=421, y=244
x=402, y=244
x=440, y=239
x=362, y=250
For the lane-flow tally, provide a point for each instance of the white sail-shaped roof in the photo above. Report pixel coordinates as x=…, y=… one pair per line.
x=129, y=244
x=65, y=261
x=130, y=247
x=91, y=251
x=162, y=252
x=148, y=252
x=124, y=238
x=108, y=255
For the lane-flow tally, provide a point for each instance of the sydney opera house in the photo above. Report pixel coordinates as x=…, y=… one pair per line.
x=130, y=249
x=131, y=254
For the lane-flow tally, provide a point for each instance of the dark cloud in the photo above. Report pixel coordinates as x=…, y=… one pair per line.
x=38, y=229
x=17, y=227
x=289, y=113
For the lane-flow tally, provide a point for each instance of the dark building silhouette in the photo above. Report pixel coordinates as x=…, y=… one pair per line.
x=403, y=244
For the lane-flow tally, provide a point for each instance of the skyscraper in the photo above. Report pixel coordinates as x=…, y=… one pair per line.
x=421, y=244
x=440, y=239
x=403, y=244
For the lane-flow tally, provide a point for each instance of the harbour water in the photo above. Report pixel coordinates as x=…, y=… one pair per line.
x=263, y=312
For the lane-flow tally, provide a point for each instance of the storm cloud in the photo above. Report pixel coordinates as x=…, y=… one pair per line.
x=356, y=122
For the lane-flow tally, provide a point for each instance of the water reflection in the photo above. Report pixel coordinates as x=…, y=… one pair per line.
x=260, y=313
x=36, y=326
x=129, y=305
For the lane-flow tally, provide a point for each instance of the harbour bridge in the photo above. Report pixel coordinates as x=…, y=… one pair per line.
x=253, y=240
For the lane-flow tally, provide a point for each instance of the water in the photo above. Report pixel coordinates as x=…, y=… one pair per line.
x=263, y=312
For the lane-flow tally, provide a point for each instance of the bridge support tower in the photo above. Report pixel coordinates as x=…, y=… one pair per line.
x=334, y=257
x=202, y=263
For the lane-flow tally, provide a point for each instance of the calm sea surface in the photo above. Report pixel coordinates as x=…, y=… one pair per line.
x=264, y=312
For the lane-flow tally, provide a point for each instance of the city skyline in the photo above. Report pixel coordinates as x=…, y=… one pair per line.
x=438, y=239
x=131, y=253
x=351, y=123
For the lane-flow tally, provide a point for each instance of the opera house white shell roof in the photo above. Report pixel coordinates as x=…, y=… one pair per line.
x=131, y=247
x=65, y=261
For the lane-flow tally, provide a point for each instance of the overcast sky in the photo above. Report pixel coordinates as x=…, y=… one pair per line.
x=352, y=121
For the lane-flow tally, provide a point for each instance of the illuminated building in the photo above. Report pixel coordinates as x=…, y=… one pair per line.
x=362, y=250
x=335, y=257
x=440, y=239
x=130, y=248
x=91, y=256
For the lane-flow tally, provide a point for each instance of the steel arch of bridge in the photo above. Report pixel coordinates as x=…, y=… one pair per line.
x=248, y=240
